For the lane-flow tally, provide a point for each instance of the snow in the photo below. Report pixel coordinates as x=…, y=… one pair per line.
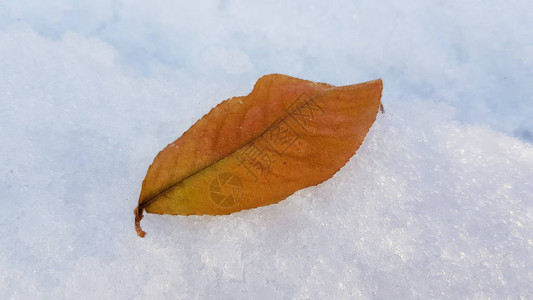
x=436, y=204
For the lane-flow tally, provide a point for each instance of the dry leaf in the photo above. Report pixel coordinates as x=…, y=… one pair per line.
x=287, y=134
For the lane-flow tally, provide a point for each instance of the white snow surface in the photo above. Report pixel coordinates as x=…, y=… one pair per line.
x=436, y=204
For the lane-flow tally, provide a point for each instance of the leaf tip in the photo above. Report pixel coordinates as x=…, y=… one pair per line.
x=379, y=84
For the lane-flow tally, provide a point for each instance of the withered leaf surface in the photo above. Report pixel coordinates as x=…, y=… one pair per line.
x=256, y=150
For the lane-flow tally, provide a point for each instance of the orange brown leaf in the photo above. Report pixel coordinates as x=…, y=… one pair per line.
x=256, y=150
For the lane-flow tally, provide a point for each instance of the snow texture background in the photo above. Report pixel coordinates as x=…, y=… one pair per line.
x=437, y=203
